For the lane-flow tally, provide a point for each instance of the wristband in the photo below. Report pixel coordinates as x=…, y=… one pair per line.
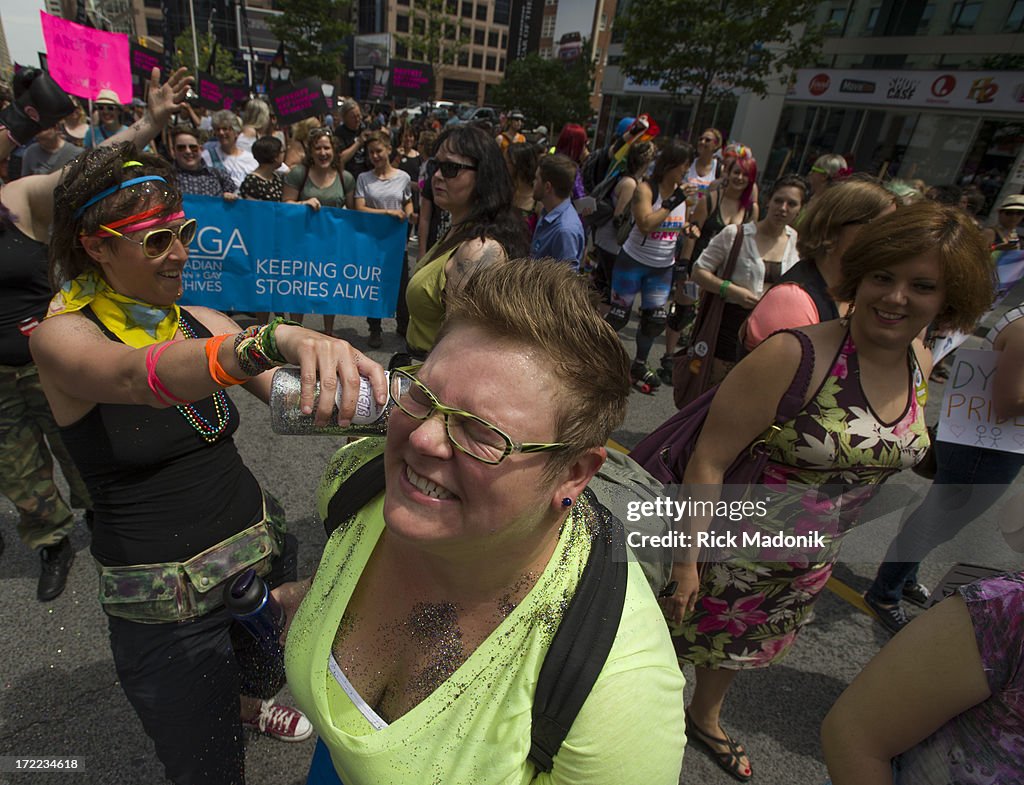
x=217, y=372
x=721, y=289
x=268, y=340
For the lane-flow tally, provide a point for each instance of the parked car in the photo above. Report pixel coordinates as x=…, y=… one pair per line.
x=475, y=114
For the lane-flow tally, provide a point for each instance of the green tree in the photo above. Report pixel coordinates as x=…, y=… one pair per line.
x=437, y=38
x=223, y=63
x=547, y=91
x=312, y=32
x=706, y=48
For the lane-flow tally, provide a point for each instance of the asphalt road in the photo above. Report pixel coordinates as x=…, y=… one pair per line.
x=59, y=695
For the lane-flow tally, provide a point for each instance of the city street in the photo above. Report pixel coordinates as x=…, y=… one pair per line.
x=59, y=694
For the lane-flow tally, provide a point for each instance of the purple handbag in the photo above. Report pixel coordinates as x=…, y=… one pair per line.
x=667, y=450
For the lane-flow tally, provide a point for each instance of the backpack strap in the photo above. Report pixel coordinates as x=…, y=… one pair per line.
x=355, y=492
x=580, y=647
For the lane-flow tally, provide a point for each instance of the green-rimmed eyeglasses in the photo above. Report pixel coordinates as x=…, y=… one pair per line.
x=472, y=435
x=157, y=242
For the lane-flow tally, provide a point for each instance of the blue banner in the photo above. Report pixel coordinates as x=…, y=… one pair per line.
x=267, y=256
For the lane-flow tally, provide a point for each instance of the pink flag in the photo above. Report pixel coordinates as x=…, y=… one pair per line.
x=84, y=61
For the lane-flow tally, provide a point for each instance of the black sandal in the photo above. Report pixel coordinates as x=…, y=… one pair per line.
x=728, y=761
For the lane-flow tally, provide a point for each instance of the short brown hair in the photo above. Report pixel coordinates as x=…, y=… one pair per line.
x=854, y=201
x=918, y=229
x=381, y=137
x=191, y=130
x=542, y=304
x=560, y=171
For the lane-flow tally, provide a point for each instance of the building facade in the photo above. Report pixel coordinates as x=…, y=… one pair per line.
x=477, y=32
x=909, y=89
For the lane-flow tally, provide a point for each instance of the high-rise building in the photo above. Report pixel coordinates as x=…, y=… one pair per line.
x=478, y=30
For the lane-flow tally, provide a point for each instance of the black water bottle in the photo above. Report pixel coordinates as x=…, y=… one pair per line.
x=250, y=602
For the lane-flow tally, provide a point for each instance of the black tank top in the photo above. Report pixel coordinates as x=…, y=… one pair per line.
x=713, y=225
x=160, y=492
x=24, y=292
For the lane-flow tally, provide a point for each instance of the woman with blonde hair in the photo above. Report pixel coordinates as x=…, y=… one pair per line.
x=256, y=122
x=295, y=153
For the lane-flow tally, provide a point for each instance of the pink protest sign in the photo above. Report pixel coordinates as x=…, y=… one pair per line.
x=84, y=61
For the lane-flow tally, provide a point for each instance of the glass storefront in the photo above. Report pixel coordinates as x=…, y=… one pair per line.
x=939, y=148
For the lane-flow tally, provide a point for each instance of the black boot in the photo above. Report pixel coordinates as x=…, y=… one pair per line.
x=56, y=562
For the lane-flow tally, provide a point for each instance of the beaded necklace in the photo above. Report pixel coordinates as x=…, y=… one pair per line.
x=209, y=432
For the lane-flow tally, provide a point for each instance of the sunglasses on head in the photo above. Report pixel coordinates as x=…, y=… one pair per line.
x=158, y=242
x=448, y=169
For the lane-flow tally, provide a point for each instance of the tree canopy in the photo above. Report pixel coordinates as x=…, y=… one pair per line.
x=547, y=91
x=312, y=32
x=223, y=64
x=707, y=48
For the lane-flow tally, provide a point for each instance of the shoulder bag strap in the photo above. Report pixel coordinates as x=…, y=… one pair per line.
x=734, y=253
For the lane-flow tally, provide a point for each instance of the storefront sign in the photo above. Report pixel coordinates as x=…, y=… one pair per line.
x=986, y=91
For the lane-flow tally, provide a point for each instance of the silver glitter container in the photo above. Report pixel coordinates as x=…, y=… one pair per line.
x=286, y=416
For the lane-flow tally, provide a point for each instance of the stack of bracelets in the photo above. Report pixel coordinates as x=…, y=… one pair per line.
x=255, y=349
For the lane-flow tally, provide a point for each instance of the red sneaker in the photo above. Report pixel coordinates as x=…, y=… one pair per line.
x=281, y=722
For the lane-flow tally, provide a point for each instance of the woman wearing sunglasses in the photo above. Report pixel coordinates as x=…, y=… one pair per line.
x=469, y=179
x=426, y=623
x=136, y=385
x=26, y=424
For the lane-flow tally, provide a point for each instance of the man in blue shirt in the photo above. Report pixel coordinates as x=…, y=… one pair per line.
x=559, y=233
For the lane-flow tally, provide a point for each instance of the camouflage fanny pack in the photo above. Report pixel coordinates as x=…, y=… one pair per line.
x=179, y=591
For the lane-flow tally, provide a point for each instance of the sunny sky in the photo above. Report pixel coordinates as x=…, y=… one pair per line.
x=21, y=26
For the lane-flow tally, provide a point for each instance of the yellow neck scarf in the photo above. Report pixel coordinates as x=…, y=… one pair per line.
x=136, y=323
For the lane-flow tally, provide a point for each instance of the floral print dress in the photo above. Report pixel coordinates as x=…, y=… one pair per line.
x=824, y=466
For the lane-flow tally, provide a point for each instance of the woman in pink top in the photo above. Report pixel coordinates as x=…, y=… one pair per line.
x=826, y=229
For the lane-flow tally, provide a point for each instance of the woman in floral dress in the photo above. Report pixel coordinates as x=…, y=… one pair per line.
x=862, y=421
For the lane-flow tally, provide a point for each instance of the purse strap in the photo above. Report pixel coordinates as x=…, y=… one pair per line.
x=734, y=253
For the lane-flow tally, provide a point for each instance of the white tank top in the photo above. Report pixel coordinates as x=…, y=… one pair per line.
x=702, y=181
x=657, y=248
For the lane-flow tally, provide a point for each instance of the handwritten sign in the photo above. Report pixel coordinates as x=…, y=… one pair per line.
x=84, y=61
x=409, y=79
x=967, y=415
x=299, y=101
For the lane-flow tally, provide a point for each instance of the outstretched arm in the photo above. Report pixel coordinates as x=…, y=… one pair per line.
x=31, y=198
